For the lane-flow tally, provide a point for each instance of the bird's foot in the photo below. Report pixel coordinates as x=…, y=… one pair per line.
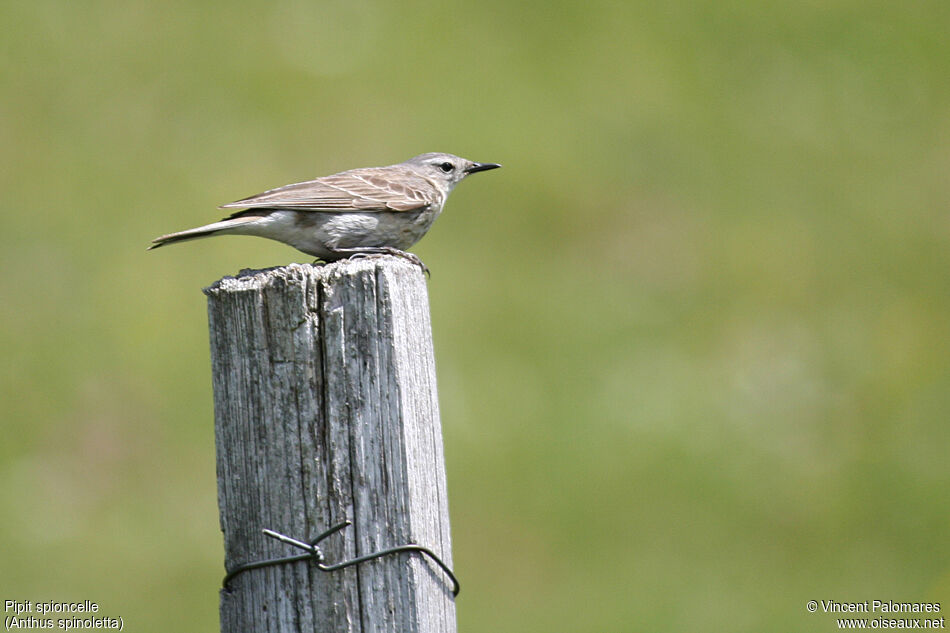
x=366, y=251
x=412, y=258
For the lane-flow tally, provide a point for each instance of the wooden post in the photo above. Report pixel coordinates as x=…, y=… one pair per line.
x=326, y=410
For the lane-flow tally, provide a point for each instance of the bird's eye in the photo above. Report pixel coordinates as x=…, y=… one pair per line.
x=447, y=167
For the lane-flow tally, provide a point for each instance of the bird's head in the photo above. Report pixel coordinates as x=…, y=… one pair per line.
x=447, y=168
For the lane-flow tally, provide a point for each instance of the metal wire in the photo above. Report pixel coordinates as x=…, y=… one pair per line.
x=316, y=555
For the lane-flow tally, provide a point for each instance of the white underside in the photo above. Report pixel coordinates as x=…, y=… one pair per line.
x=320, y=234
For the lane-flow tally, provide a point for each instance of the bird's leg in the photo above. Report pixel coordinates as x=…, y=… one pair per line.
x=363, y=251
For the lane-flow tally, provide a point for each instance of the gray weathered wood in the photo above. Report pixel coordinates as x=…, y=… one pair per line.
x=326, y=410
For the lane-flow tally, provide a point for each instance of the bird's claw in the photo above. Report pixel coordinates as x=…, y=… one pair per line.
x=353, y=253
x=413, y=258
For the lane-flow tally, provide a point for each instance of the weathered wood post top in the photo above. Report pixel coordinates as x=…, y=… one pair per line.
x=325, y=411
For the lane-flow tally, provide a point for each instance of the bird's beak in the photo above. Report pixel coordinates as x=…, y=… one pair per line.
x=481, y=167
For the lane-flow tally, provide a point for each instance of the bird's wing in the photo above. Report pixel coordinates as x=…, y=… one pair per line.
x=356, y=190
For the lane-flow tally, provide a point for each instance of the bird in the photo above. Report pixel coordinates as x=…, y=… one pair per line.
x=359, y=212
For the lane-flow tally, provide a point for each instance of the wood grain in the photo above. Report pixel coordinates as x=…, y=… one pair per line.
x=325, y=410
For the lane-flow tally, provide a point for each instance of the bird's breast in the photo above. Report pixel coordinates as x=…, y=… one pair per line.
x=316, y=230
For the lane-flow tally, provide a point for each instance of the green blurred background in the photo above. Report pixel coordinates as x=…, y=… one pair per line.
x=693, y=341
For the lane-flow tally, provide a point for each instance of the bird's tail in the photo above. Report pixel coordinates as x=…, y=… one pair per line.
x=226, y=225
